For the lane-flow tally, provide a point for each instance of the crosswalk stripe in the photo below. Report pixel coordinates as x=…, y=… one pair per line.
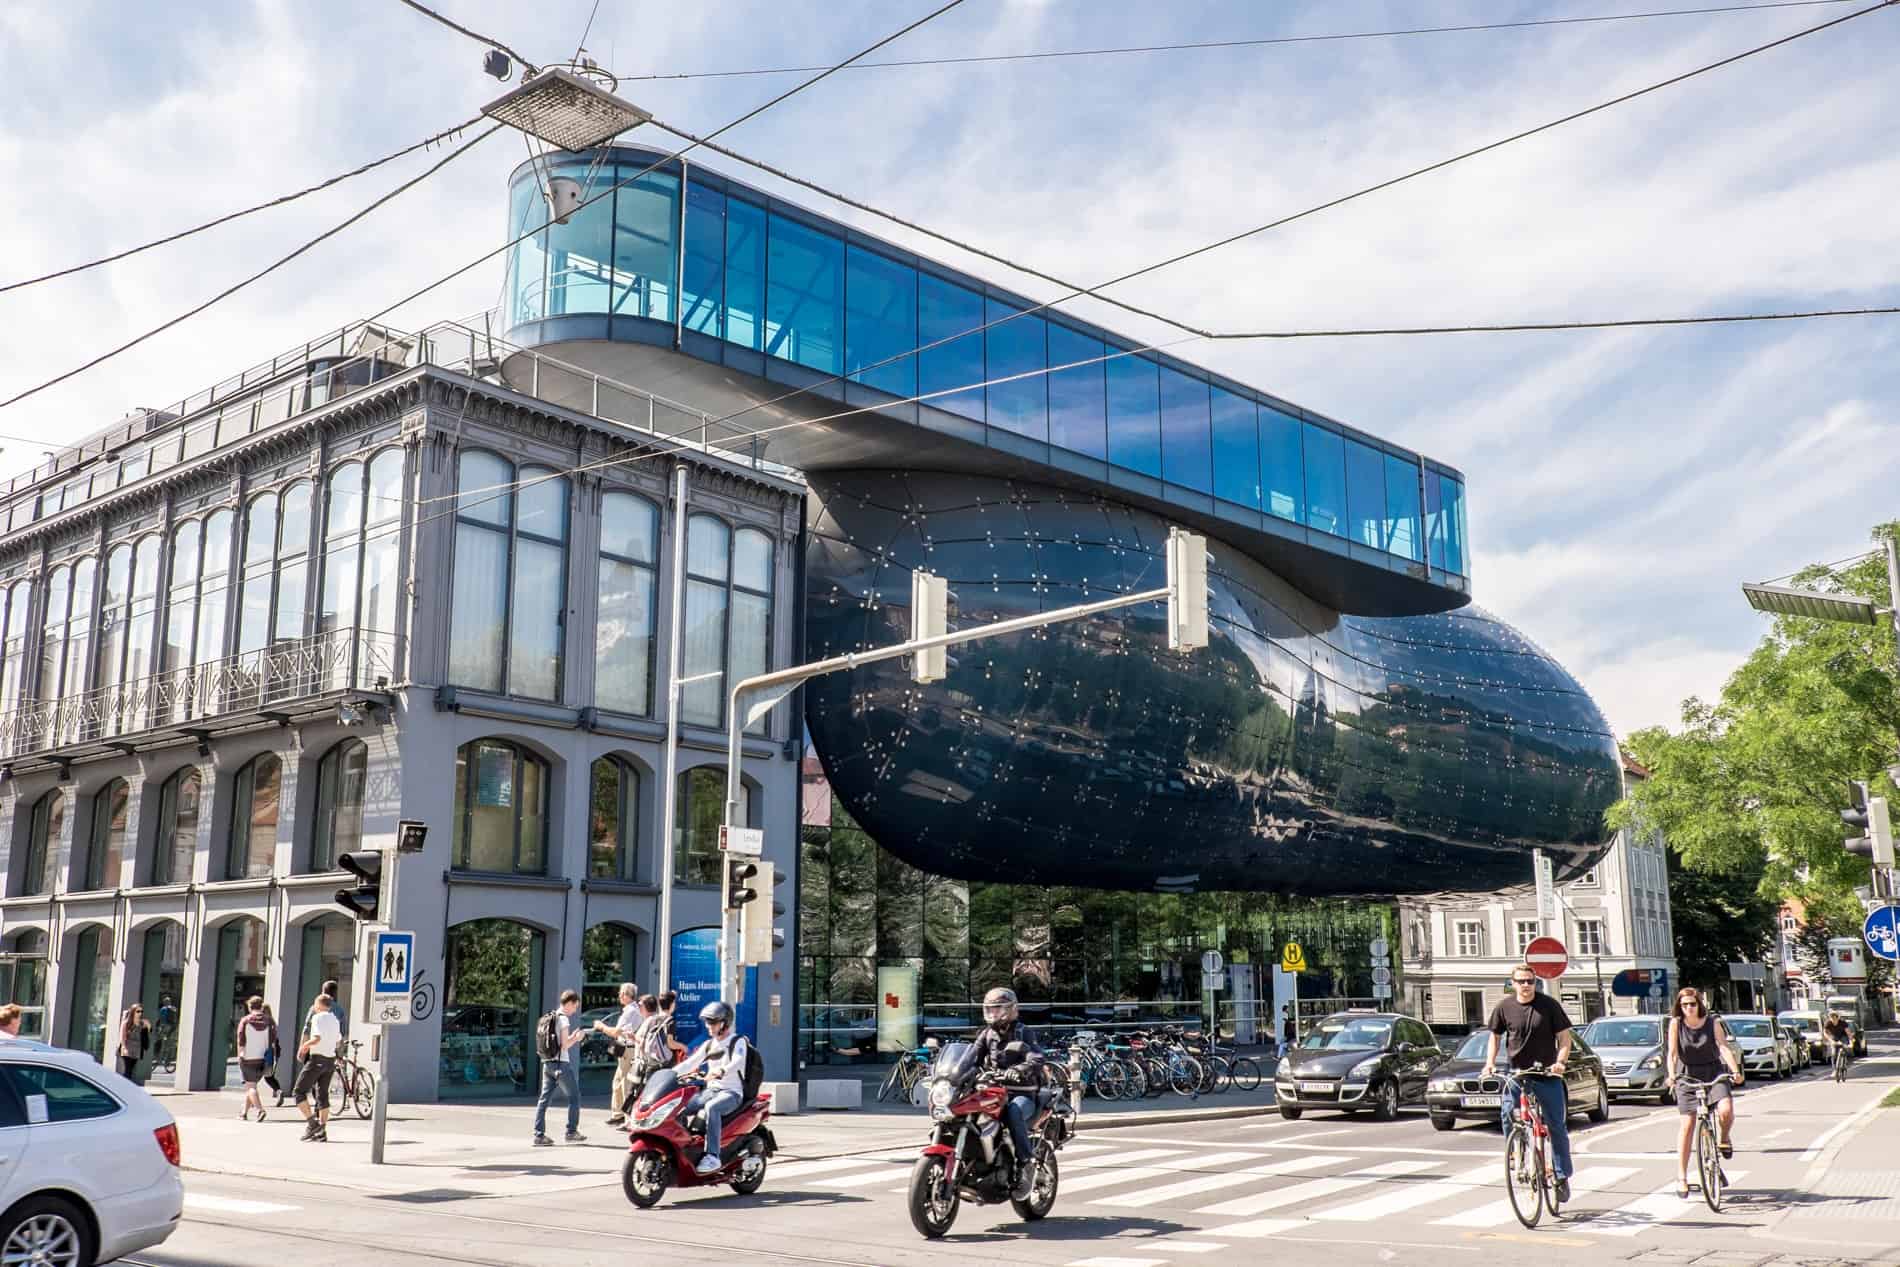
x=1658, y=1207
x=1139, y=1154
x=1591, y=1179
x=1209, y=1183
x=1110, y=1178
x=1193, y=1247
x=1314, y=1189
x=880, y=1175
x=1410, y=1196
x=820, y=1165
x=1259, y=1228
x=1117, y=1262
x=232, y=1205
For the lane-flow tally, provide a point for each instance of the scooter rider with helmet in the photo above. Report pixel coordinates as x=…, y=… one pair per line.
x=1003, y=1027
x=723, y=1053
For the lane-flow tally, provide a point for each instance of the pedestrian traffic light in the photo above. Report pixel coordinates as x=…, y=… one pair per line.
x=1187, y=590
x=1873, y=827
x=364, y=899
x=739, y=884
x=929, y=618
x=759, y=935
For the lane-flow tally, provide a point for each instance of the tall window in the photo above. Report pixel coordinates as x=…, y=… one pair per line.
x=510, y=594
x=42, y=843
x=1526, y=930
x=195, y=604
x=728, y=614
x=1590, y=937
x=177, y=838
x=276, y=568
x=501, y=815
x=613, y=821
x=623, y=631
x=338, y=829
x=19, y=603
x=106, y=848
x=128, y=617
x=702, y=804
x=1470, y=935
x=67, y=648
x=254, y=805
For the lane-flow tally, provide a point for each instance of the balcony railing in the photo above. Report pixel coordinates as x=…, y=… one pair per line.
x=182, y=699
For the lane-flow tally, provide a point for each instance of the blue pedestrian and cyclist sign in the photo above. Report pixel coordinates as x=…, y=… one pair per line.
x=392, y=958
x=1882, y=931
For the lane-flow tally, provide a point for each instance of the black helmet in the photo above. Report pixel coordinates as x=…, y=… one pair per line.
x=718, y=1011
x=999, y=1008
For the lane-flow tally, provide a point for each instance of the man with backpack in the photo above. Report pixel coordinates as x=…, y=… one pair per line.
x=557, y=1041
x=733, y=1073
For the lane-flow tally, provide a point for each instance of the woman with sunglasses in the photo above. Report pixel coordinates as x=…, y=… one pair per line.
x=1699, y=1045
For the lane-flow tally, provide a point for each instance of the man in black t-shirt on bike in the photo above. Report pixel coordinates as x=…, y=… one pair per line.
x=1539, y=1034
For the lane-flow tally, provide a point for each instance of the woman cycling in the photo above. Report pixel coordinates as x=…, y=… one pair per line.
x=1699, y=1045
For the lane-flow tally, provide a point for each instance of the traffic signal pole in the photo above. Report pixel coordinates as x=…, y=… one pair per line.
x=1185, y=593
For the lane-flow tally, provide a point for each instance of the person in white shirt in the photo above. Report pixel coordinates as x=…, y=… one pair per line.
x=623, y=1031
x=724, y=1056
x=318, y=1054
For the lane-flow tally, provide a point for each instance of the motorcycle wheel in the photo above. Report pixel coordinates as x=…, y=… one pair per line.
x=751, y=1175
x=1042, y=1197
x=933, y=1203
x=644, y=1178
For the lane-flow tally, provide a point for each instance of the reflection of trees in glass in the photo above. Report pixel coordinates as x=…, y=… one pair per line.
x=488, y=964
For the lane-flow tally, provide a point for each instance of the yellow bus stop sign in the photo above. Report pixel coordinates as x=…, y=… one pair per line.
x=1293, y=959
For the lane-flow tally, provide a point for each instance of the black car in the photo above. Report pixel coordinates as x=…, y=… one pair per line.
x=1357, y=1060
x=1456, y=1089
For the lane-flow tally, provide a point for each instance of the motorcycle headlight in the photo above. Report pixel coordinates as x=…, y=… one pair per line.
x=1363, y=1070
x=653, y=1118
x=941, y=1093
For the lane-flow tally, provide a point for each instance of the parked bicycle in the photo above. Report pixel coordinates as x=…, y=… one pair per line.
x=906, y=1076
x=353, y=1085
x=1530, y=1173
x=1708, y=1153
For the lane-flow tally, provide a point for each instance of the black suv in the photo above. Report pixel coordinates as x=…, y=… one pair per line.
x=1357, y=1060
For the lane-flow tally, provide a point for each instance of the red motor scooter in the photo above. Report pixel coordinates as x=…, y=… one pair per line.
x=664, y=1144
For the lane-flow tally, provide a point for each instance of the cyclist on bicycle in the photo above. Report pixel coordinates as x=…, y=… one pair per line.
x=1699, y=1045
x=1840, y=1036
x=1539, y=1034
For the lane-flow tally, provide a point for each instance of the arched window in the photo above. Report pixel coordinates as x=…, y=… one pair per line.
x=67, y=649
x=338, y=829
x=510, y=593
x=275, y=570
x=13, y=667
x=613, y=820
x=382, y=520
x=254, y=804
x=105, y=849
x=177, y=838
x=42, y=843
x=23, y=979
x=702, y=808
x=501, y=809
x=128, y=618
x=623, y=629
x=195, y=605
x=728, y=614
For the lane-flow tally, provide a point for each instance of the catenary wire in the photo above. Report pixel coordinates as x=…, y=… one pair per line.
x=1203, y=45
x=425, y=143
x=673, y=157
x=1522, y=326
x=527, y=66
x=268, y=269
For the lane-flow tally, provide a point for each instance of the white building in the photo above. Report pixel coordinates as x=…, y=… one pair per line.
x=1459, y=949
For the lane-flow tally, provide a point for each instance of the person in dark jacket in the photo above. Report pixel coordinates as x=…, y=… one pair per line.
x=135, y=1039
x=1002, y=1029
x=256, y=1040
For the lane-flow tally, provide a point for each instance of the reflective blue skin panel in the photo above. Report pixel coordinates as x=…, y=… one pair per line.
x=1301, y=752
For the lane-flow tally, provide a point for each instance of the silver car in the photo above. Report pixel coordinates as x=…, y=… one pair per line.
x=1766, y=1050
x=1632, y=1052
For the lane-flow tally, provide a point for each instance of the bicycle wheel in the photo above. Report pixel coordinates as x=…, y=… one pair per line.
x=1112, y=1080
x=1184, y=1076
x=888, y=1087
x=1215, y=1072
x=1708, y=1161
x=1159, y=1077
x=1547, y=1165
x=364, y=1099
x=1137, y=1079
x=1244, y=1074
x=1523, y=1178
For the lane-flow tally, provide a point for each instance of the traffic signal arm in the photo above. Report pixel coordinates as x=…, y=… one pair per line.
x=364, y=899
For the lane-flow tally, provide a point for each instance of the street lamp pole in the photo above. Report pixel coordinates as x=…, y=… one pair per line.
x=669, y=779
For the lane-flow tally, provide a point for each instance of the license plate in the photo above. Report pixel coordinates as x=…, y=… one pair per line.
x=1618, y=1082
x=1316, y=1086
x=1480, y=1101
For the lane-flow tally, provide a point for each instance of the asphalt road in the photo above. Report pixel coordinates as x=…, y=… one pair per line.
x=1809, y=1185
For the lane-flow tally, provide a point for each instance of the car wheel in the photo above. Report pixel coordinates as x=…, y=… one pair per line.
x=1601, y=1113
x=46, y=1230
x=1290, y=1112
x=1444, y=1122
x=1385, y=1102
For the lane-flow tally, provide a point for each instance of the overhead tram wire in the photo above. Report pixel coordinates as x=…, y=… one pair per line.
x=1625, y=323
x=528, y=66
x=268, y=269
x=1207, y=45
x=425, y=143
x=674, y=157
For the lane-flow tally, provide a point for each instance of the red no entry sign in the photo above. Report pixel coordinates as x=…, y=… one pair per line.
x=1547, y=957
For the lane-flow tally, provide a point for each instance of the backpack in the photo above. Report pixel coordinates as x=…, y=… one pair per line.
x=754, y=1075
x=547, y=1036
x=650, y=1044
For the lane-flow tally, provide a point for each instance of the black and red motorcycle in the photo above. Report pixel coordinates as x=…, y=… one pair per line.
x=970, y=1156
x=665, y=1143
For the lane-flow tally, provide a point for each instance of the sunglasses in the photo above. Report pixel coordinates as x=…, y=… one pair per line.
x=1694, y=1003
x=1523, y=980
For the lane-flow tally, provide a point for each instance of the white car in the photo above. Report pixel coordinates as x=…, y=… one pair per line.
x=88, y=1162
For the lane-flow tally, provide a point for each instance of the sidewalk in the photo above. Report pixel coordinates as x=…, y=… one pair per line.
x=1850, y=1193
x=448, y=1152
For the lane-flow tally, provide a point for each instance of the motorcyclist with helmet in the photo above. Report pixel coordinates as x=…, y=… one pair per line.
x=723, y=1053
x=1003, y=1029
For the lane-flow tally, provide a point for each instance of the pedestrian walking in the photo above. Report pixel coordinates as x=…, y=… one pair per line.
x=557, y=1041
x=276, y=1055
x=622, y=1032
x=256, y=1039
x=135, y=1039
x=317, y=1057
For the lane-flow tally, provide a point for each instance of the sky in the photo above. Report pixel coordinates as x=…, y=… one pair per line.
x=1622, y=484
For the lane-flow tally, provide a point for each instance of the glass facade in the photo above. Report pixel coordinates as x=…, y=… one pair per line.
x=254, y=808
x=90, y=1017
x=501, y=815
x=490, y=1003
x=338, y=829
x=766, y=281
x=509, y=596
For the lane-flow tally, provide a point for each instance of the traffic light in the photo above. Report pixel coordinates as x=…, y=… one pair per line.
x=758, y=936
x=1873, y=828
x=363, y=900
x=1187, y=590
x=929, y=618
x=739, y=884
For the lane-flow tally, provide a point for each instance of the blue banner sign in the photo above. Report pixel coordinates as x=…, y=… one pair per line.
x=696, y=981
